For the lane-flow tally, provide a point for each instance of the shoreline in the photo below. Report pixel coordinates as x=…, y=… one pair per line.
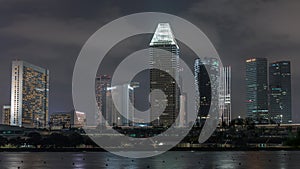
x=173, y=149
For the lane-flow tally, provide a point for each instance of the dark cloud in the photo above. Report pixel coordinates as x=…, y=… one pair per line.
x=51, y=33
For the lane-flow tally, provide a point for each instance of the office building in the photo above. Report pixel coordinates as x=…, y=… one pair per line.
x=29, y=95
x=164, y=57
x=103, y=82
x=124, y=97
x=280, y=108
x=204, y=87
x=257, y=88
x=225, y=95
x=61, y=120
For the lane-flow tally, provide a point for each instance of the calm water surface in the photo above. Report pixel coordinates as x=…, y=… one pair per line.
x=172, y=160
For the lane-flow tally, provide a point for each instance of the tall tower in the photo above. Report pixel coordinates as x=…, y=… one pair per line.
x=102, y=83
x=204, y=88
x=257, y=88
x=280, y=109
x=225, y=95
x=124, y=96
x=166, y=80
x=29, y=95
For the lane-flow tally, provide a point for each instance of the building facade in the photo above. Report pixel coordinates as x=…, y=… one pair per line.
x=183, y=111
x=79, y=119
x=280, y=108
x=6, y=115
x=124, y=97
x=103, y=82
x=29, y=95
x=60, y=120
x=225, y=95
x=204, y=87
x=164, y=74
x=257, y=88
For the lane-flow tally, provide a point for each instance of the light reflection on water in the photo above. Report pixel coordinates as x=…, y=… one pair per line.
x=172, y=160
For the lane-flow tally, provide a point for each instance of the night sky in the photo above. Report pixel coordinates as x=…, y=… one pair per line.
x=50, y=34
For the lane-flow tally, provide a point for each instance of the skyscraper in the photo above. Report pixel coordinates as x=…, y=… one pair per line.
x=164, y=79
x=124, y=95
x=112, y=115
x=204, y=88
x=225, y=95
x=257, y=88
x=29, y=95
x=103, y=82
x=280, y=109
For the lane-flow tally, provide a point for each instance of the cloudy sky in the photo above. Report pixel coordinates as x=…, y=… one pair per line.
x=50, y=34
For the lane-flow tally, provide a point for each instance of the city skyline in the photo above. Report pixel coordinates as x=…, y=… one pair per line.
x=149, y=84
x=52, y=38
x=276, y=84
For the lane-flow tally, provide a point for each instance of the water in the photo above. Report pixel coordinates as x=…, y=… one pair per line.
x=172, y=160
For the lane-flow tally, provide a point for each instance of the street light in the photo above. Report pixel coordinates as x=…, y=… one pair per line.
x=281, y=118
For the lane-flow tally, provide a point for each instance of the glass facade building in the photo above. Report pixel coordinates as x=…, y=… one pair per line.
x=103, y=82
x=280, y=108
x=257, y=88
x=124, y=95
x=225, y=95
x=164, y=73
x=204, y=87
x=29, y=95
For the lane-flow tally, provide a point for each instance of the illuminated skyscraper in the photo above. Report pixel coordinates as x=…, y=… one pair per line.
x=103, y=82
x=111, y=113
x=167, y=60
x=257, y=88
x=280, y=109
x=204, y=88
x=225, y=95
x=29, y=95
x=124, y=96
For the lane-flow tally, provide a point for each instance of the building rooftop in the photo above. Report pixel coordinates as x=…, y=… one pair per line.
x=163, y=35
